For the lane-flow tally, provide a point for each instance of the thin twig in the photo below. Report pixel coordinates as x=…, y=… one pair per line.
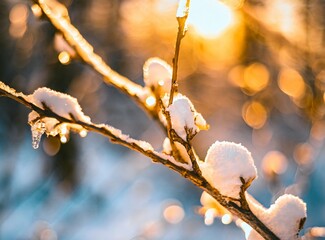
x=245, y=185
x=182, y=28
x=189, y=150
x=181, y=19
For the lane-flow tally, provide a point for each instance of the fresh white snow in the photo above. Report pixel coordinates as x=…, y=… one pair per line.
x=182, y=9
x=63, y=105
x=172, y=160
x=283, y=217
x=184, y=116
x=157, y=75
x=181, y=149
x=224, y=164
x=60, y=103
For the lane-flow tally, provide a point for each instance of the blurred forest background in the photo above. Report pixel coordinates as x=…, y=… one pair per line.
x=254, y=69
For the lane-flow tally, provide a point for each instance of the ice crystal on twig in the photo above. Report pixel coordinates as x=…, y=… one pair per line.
x=38, y=129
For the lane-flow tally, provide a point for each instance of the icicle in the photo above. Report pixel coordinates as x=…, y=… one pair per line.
x=38, y=129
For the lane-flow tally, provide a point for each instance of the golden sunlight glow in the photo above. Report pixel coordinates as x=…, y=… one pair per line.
x=236, y=4
x=282, y=16
x=174, y=214
x=64, y=58
x=274, y=162
x=151, y=101
x=254, y=114
x=286, y=12
x=291, y=83
x=226, y=219
x=210, y=18
x=37, y=11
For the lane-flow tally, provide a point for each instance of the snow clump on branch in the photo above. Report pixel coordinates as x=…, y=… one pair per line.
x=285, y=217
x=60, y=104
x=167, y=149
x=157, y=75
x=186, y=121
x=225, y=164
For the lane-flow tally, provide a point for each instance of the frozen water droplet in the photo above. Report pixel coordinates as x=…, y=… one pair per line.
x=38, y=129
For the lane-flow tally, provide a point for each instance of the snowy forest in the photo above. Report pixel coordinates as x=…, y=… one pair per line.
x=162, y=119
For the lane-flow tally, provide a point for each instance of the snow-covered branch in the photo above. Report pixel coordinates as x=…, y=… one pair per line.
x=47, y=107
x=58, y=15
x=228, y=169
x=56, y=113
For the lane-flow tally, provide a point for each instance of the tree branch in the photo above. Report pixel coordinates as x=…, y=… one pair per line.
x=58, y=15
x=117, y=137
x=112, y=133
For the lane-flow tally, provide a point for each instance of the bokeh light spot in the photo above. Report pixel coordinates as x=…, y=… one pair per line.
x=226, y=219
x=18, y=14
x=64, y=58
x=18, y=18
x=256, y=77
x=317, y=131
x=209, y=216
x=174, y=214
x=63, y=139
x=303, y=153
x=317, y=232
x=236, y=76
x=291, y=83
x=151, y=101
x=254, y=114
x=83, y=133
x=274, y=162
x=51, y=146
